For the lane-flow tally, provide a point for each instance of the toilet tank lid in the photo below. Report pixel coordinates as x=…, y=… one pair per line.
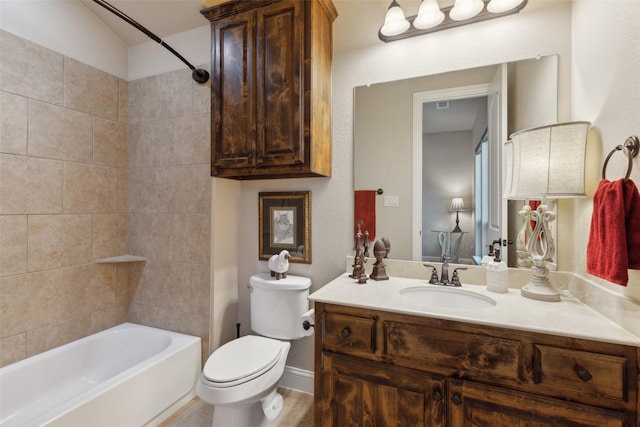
x=264, y=280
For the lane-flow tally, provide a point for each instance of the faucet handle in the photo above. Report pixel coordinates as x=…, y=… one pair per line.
x=433, y=280
x=455, y=278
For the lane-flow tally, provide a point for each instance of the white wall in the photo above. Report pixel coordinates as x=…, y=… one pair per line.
x=69, y=28
x=606, y=91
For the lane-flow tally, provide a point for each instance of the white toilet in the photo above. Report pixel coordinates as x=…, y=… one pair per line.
x=241, y=377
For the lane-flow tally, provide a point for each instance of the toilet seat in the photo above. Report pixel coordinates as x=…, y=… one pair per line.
x=241, y=360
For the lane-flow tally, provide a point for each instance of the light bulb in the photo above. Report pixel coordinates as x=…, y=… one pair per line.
x=394, y=22
x=429, y=15
x=465, y=9
x=499, y=6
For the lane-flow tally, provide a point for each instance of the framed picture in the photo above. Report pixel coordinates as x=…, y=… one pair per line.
x=285, y=223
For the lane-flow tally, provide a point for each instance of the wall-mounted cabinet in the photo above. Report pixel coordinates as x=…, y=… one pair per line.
x=271, y=88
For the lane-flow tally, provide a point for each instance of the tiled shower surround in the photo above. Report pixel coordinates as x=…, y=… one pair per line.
x=93, y=166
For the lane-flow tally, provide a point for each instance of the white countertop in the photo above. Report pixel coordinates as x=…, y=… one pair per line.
x=569, y=317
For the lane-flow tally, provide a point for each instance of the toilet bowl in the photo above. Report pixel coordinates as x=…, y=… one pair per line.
x=240, y=378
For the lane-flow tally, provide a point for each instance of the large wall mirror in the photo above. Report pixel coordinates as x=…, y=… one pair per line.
x=433, y=145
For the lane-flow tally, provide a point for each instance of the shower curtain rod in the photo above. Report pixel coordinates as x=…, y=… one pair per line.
x=199, y=75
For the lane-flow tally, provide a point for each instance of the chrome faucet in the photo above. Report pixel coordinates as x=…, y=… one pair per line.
x=444, y=275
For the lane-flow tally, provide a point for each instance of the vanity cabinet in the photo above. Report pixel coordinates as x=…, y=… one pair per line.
x=380, y=368
x=271, y=88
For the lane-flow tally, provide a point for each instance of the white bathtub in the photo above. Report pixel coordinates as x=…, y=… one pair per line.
x=129, y=375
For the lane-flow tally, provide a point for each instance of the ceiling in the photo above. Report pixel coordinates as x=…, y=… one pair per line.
x=161, y=17
x=459, y=115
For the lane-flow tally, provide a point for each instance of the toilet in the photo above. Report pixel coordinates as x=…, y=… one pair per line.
x=240, y=378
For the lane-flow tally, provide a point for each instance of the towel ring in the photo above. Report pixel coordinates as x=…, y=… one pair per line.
x=630, y=149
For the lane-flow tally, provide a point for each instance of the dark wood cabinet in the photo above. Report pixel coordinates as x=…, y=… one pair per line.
x=271, y=88
x=375, y=368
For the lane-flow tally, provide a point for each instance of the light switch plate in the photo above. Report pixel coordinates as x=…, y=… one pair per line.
x=391, y=200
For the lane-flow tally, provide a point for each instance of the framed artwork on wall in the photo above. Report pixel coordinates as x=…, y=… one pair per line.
x=285, y=223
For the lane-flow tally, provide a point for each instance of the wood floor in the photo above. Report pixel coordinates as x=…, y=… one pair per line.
x=298, y=412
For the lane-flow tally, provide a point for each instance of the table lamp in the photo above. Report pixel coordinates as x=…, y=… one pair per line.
x=543, y=163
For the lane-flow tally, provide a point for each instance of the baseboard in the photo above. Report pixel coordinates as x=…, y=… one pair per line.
x=297, y=379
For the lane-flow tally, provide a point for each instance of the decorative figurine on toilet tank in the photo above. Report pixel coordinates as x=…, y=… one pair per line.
x=279, y=264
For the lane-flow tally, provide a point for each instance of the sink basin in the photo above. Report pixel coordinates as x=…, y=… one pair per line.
x=436, y=296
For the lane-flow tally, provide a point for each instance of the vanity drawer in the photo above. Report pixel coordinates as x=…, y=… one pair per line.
x=348, y=334
x=582, y=372
x=455, y=353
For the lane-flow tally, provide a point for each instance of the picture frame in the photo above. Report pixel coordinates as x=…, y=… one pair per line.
x=285, y=223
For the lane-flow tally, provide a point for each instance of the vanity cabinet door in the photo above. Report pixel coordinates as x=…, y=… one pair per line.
x=475, y=404
x=363, y=393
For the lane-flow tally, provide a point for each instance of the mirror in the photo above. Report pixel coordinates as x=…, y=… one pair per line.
x=420, y=141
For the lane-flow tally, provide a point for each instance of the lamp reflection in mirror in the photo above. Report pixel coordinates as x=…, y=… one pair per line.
x=431, y=18
x=543, y=163
x=457, y=205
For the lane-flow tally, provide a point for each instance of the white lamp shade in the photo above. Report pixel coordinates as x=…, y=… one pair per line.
x=547, y=162
x=465, y=9
x=429, y=15
x=457, y=204
x=499, y=6
x=394, y=22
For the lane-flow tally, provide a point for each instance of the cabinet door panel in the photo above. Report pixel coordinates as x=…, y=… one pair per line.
x=280, y=51
x=233, y=92
x=474, y=404
x=368, y=394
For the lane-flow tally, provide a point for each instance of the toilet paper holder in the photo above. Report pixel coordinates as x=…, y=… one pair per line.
x=307, y=325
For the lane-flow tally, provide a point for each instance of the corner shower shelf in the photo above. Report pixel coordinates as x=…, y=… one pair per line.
x=121, y=258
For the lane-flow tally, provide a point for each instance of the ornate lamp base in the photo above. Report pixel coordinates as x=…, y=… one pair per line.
x=539, y=287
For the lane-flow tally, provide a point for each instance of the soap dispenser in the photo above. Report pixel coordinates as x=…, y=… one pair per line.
x=497, y=274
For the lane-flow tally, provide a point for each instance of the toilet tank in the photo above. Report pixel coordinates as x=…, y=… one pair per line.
x=277, y=305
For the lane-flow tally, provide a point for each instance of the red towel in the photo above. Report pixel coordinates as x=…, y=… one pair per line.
x=614, y=238
x=365, y=211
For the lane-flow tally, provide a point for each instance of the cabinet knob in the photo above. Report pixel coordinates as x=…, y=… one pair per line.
x=437, y=396
x=456, y=399
x=582, y=372
x=345, y=333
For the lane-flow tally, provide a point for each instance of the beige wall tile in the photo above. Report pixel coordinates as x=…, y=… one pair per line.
x=59, y=133
x=174, y=94
x=109, y=317
x=13, y=244
x=12, y=349
x=123, y=190
x=191, y=238
x=58, y=241
x=143, y=100
x=123, y=101
x=151, y=143
x=151, y=235
x=88, y=288
x=110, y=143
x=23, y=299
x=13, y=123
x=192, y=140
x=109, y=235
x=90, y=90
x=201, y=283
x=202, y=94
x=57, y=334
x=30, y=70
x=30, y=185
x=89, y=188
x=191, y=189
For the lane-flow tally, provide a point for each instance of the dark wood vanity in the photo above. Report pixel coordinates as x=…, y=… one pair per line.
x=378, y=368
x=271, y=88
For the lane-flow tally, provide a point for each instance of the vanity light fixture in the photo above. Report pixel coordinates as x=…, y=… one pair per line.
x=457, y=205
x=543, y=163
x=431, y=18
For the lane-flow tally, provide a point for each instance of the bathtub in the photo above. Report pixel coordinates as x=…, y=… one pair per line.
x=129, y=375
